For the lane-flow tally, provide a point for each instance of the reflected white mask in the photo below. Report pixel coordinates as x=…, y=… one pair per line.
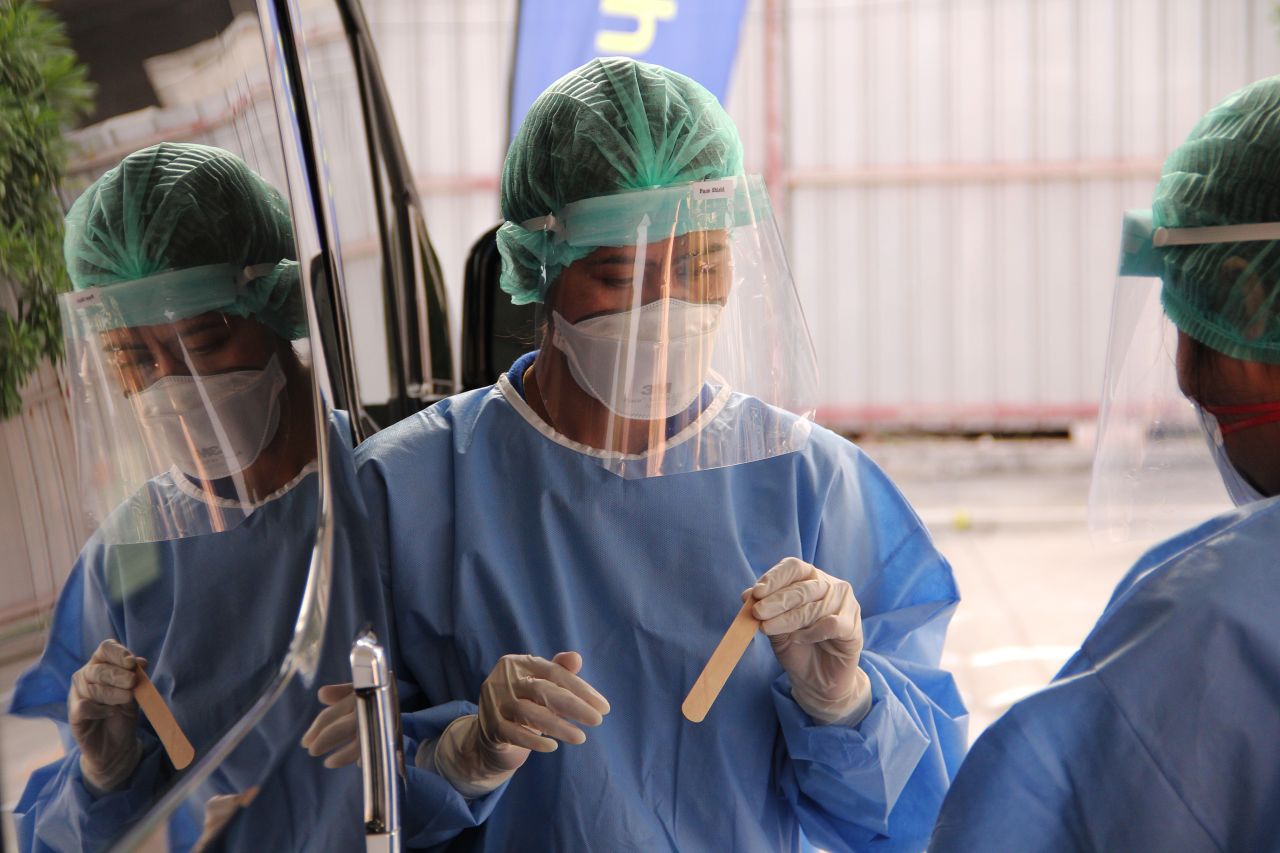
x=211, y=427
x=618, y=358
x=1238, y=488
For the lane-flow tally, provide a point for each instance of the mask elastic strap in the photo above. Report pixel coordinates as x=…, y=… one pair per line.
x=1262, y=414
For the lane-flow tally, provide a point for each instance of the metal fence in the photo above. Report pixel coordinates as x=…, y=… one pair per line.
x=951, y=173
x=41, y=524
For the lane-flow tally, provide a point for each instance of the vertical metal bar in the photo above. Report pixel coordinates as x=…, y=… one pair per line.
x=1082, y=286
x=1164, y=28
x=990, y=205
x=1038, y=205
x=774, y=165
x=379, y=754
x=910, y=205
x=1206, y=62
x=511, y=78
x=869, y=358
x=1250, y=12
x=1118, y=30
x=953, y=333
x=461, y=83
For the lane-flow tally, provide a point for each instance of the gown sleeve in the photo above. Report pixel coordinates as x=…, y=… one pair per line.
x=56, y=811
x=878, y=785
x=1064, y=770
x=434, y=811
x=1159, y=733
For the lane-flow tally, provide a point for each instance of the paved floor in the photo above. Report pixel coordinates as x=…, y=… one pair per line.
x=25, y=745
x=1009, y=515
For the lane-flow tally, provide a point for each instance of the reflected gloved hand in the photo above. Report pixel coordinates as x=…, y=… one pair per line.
x=104, y=716
x=815, y=625
x=335, y=729
x=218, y=812
x=526, y=704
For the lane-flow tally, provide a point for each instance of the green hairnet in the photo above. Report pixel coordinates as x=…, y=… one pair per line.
x=1226, y=173
x=196, y=210
x=612, y=125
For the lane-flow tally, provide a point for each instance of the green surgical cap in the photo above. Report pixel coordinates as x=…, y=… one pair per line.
x=1224, y=295
x=610, y=126
x=198, y=211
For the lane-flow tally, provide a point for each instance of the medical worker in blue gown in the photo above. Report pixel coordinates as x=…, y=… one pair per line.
x=197, y=435
x=565, y=549
x=1161, y=732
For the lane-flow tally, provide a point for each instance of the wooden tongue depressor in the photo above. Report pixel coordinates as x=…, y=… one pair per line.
x=162, y=720
x=723, y=660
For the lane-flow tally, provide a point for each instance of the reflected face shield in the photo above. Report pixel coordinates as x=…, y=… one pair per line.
x=194, y=402
x=675, y=316
x=215, y=426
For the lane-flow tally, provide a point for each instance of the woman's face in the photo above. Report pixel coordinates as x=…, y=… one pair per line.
x=203, y=345
x=694, y=267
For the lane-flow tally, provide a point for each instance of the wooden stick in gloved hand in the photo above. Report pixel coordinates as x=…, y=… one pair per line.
x=718, y=669
x=176, y=744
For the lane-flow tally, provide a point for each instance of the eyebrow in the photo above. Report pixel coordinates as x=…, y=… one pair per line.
x=616, y=258
x=111, y=344
x=709, y=250
x=214, y=322
x=195, y=329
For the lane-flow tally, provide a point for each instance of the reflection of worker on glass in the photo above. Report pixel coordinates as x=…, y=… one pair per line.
x=615, y=493
x=196, y=433
x=1161, y=732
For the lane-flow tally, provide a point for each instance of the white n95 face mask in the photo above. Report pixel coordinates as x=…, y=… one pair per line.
x=618, y=358
x=213, y=426
x=1239, y=489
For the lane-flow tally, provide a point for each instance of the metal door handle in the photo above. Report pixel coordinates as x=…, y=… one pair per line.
x=378, y=716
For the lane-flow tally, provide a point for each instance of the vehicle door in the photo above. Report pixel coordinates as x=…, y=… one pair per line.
x=240, y=603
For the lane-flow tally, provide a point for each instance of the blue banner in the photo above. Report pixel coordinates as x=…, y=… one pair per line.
x=698, y=38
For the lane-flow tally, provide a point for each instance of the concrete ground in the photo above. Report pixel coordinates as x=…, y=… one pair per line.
x=1009, y=515
x=25, y=745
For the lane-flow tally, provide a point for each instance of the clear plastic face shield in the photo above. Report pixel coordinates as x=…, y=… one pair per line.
x=183, y=415
x=672, y=335
x=1161, y=462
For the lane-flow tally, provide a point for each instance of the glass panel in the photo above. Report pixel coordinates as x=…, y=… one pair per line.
x=392, y=279
x=361, y=218
x=205, y=447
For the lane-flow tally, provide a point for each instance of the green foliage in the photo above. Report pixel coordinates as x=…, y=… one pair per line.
x=42, y=90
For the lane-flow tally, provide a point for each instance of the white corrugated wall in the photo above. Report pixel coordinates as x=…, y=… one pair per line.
x=952, y=179
x=41, y=525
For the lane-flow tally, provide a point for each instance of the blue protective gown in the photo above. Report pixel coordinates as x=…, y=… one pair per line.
x=498, y=538
x=1163, y=731
x=214, y=615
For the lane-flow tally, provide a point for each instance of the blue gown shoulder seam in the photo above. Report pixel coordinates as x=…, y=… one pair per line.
x=1151, y=755
x=1131, y=582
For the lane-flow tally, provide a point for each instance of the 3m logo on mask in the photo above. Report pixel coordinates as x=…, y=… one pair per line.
x=649, y=390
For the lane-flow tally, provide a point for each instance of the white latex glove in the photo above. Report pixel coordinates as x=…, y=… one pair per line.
x=104, y=716
x=335, y=729
x=526, y=704
x=218, y=812
x=815, y=625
